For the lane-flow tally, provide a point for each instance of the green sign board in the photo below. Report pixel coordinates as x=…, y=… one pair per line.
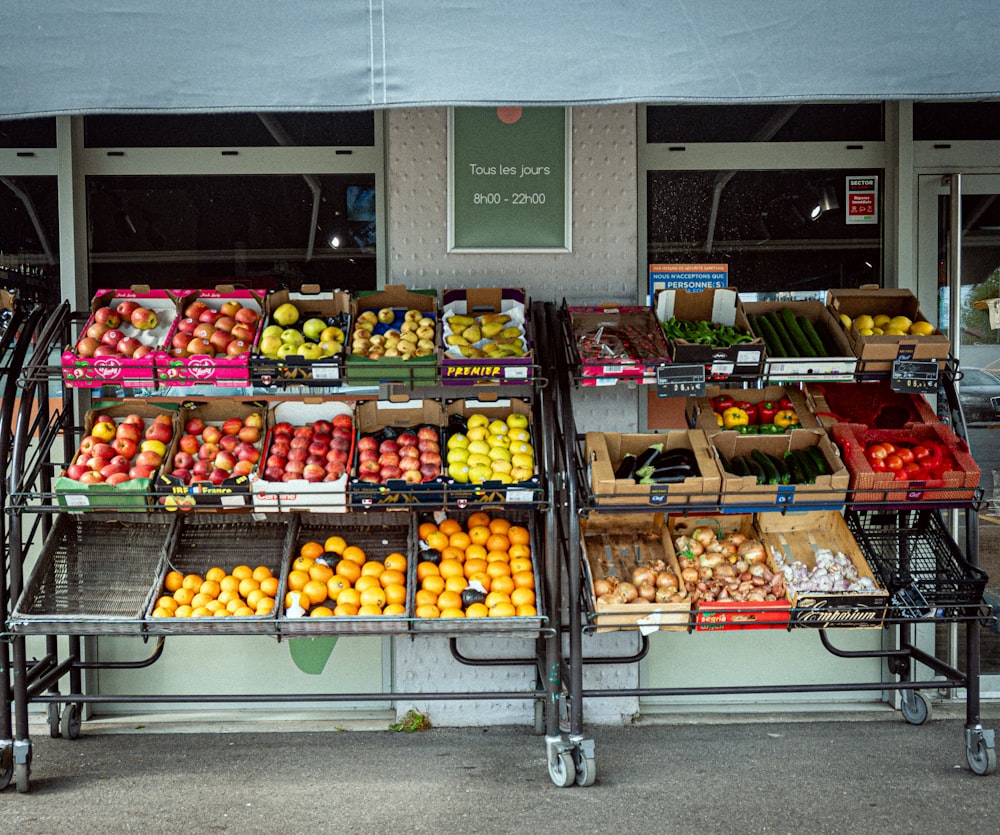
x=509, y=172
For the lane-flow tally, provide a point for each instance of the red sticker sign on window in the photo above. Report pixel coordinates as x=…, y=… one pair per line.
x=862, y=200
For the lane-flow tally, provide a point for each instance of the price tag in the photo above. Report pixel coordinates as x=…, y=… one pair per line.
x=914, y=376
x=680, y=381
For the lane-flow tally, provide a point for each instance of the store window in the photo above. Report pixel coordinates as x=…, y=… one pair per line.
x=956, y=120
x=292, y=199
x=28, y=133
x=780, y=221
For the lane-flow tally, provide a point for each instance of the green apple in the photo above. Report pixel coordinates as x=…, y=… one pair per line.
x=290, y=336
x=286, y=314
x=310, y=351
x=312, y=328
x=287, y=350
x=332, y=333
x=272, y=330
x=329, y=347
x=269, y=344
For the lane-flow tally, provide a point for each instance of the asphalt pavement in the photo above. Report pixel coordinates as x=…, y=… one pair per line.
x=866, y=773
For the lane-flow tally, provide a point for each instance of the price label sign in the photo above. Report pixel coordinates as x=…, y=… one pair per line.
x=680, y=381
x=914, y=377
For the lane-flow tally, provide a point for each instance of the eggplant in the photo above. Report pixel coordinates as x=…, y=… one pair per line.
x=668, y=475
x=674, y=456
x=627, y=466
x=644, y=459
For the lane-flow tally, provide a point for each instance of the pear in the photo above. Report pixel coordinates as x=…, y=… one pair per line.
x=459, y=323
x=511, y=332
x=502, y=318
x=472, y=353
x=455, y=339
x=491, y=329
x=472, y=333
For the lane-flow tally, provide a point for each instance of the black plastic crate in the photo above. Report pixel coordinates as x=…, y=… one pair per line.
x=916, y=559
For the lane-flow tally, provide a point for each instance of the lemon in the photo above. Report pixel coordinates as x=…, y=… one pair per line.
x=876, y=331
x=865, y=331
x=895, y=332
x=863, y=322
x=900, y=322
x=922, y=328
x=845, y=320
x=881, y=320
x=476, y=420
x=460, y=473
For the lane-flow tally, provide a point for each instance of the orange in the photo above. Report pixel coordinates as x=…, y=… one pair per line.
x=460, y=540
x=498, y=568
x=167, y=602
x=366, y=581
x=311, y=550
x=244, y=612
x=345, y=610
x=301, y=563
x=215, y=573
x=433, y=583
x=321, y=612
x=248, y=585
x=437, y=540
x=348, y=569
x=455, y=583
x=479, y=534
x=183, y=596
x=372, y=568
x=200, y=612
x=292, y=599
x=210, y=588
x=475, y=552
x=494, y=598
x=260, y=573
x=242, y=572
x=497, y=556
x=297, y=579
x=172, y=581
x=370, y=610
x=503, y=610
x=449, y=526
x=395, y=594
x=335, y=543
x=229, y=583
x=425, y=569
x=524, y=579
x=503, y=584
x=519, y=564
x=477, y=610
x=519, y=551
x=199, y=600
x=474, y=566
x=395, y=561
x=425, y=597
x=498, y=542
x=451, y=568
x=526, y=611
x=522, y=597
x=392, y=577
x=499, y=526
x=319, y=571
x=428, y=611
x=354, y=554
x=236, y=603
x=518, y=535
x=394, y=609
x=452, y=612
x=335, y=585
x=192, y=582
x=426, y=529
x=483, y=579
x=225, y=596
x=374, y=596
x=265, y=605
x=252, y=599
x=349, y=597
x=162, y=613
x=182, y=612
x=314, y=590
x=476, y=518
x=449, y=552
x=449, y=600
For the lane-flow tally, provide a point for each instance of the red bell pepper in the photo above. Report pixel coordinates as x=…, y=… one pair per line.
x=722, y=402
x=750, y=409
x=786, y=403
x=766, y=410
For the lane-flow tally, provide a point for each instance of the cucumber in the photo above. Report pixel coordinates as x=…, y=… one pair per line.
x=822, y=468
x=788, y=348
x=738, y=466
x=807, y=464
x=795, y=333
x=810, y=334
x=784, y=475
x=771, y=340
x=756, y=470
x=767, y=463
x=830, y=348
x=724, y=462
x=794, y=468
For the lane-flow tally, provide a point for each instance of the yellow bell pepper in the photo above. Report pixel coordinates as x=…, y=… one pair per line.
x=734, y=416
x=785, y=417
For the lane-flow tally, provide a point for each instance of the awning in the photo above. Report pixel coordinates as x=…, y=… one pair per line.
x=108, y=56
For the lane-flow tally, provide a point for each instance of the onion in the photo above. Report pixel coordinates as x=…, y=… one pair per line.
x=667, y=580
x=608, y=600
x=664, y=595
x=626, y=592
x=703, y=534
x=647, y=593
x=689, y=575
x=643, y=574
x=603, y=586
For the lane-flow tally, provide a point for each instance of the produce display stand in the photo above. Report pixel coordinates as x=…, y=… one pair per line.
x=908, y=544
x=72, y=590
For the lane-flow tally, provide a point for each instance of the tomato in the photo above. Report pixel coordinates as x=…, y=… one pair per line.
x=893, y=462
x=905, y=453
x=878, y=465
x=889, y=448
x=920, y=452
x=913, y=469
x=875, y=452
x=902, y=475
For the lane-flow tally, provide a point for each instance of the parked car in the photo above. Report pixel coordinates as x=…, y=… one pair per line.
x=979, y=393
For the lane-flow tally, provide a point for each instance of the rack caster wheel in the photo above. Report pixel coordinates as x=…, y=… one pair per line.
x=6, y=766
x=21, y=751
x=69, y=725
x=586, y=768
x=915, y=708
x=562, y=770
x=981, y=752
x=52, y=716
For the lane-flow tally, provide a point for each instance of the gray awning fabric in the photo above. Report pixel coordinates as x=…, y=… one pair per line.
x=107, y=56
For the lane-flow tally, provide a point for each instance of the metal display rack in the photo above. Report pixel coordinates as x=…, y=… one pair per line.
x=930, y=580
x=73, y=590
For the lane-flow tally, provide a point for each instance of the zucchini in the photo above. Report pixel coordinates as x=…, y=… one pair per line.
x=795, y=472
x=771, y=340
x=807, y=464
x=810, y=334
x=784, y=476
x=756, y=470
x=822, y=468
x=771, y=474
x=724, y=462
x=738, y=466
x=788, y=347
x=795, y=333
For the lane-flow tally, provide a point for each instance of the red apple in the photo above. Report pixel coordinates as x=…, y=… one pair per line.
x=135, y=419
x=229, y=443
x=406, y=439
x=189, y=444
x=314, y=472
x=390, y=472
x=74, y=471
x=281, y=448
x=232, y=426
x=274, y=473
x=125, y=309
x=243, y=468
x=201, y=469
x=303, y=432
x=429, y=471
x=217, y=476
x=238, y=346
x=131, y=431
x=225, y=460
x=230, y=307
x=112, y=338
x=225, y=323
x=220, y=341
x=337, y=455
x=322, y=427
x=105, y=351
x=187, y=326
x=388, y=459
x=203, y=330
x=209, y=316
x=180, y=340
x=143, y=318
x=284, y=428
x=247, y=316
x=409, y=463
x=343, y=421
x=290, y=476
x=195, y=309
x=110, y=469
x=125, y=447
x=248, y=452
x=103, y=450
x=430, y=458
x=388, y=445
x=183, y=460
x=368, y=455
x=86, y=346
x=140, y=471
x=117, y=478
x=255, y=419
x=428, y=433
x=97, y=331
x=368, y=467
x=211, y=434
x=367, y=442
x=158, y=431
x=107, y=316
x=141, y=351
x=318, y=448
x=182, y=474
x=412, y=476
x=295, y=467
x=276, y=461
x=91, y=477
x=207, y=451
x=298, y=454
x=243, y=332
x=149, y=459
x=249, y=434
x=88, y=443
x=200, y=347
x=194, y=426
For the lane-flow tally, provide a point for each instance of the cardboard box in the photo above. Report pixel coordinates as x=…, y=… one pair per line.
x=372, y=417
x=799, y=537
x=605, y=450
x=363, y=371
x=129, y=496
x=456, y=368
x=328, y=372
x=613, y=545
x=120, y=370
x=877, y=353
x=723, y=307
x=218, y=370
x=840, y=363
x=829, y=492
x=727, y=615
x=701, y=415
x=613, y=342
x=299, y=494
x=868, y=486
x=233, y=493
x=523, y=492
x=873, y=404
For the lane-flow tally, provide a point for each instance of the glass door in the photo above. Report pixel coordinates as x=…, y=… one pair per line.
x=959, y=255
